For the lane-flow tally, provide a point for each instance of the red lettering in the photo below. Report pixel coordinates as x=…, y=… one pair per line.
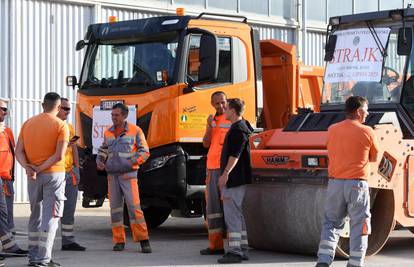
x=372, y=54
x=356, y=56
x=95, y=131
x=346, y=54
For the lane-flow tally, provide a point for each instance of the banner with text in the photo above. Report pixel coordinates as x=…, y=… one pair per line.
x=357, y=56
x=102, y=120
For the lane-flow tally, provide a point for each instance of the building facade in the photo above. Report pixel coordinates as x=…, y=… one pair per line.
x=38, y=37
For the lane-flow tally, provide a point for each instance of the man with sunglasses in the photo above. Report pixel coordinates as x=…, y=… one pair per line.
x=72, y=181
x=6, y=187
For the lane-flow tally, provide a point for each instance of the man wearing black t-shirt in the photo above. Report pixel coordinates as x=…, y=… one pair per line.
x=235, y=174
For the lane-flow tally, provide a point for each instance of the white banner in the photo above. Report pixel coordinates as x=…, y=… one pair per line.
x=102, y=120
x=357, y=56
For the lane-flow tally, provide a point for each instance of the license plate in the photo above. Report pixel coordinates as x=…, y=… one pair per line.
x=108, y=104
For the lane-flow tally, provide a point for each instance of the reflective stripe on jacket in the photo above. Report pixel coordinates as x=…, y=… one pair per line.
x=124, y=153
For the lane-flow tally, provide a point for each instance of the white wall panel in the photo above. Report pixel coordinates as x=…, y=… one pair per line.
x=273, y=32
x=315, y=48
x=43, y=36
x=126, y=14
x=4, y=48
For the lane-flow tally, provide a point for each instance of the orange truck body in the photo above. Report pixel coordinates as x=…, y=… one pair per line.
x=176, y=114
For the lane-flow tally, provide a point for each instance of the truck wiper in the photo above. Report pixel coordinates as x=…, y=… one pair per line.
x=374, y=34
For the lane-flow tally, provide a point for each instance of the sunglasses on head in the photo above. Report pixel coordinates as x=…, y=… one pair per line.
x=4, y=109
x=65, y=108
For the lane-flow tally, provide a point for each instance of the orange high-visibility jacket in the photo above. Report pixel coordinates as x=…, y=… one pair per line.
x=125, y=152
x=6, y=154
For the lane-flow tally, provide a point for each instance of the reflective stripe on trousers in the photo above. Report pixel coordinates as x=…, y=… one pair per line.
x=214, y=210
x=122, y=187
x=68, y=218
x=346, y=197
x=234, y=219
x=47, y=196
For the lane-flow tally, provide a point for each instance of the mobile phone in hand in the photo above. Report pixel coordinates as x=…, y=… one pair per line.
x=74, y=139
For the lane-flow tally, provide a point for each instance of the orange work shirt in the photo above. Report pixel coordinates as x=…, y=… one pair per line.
x=220, y=127
x=40, y=135
x=350, y=144
x=6, y=154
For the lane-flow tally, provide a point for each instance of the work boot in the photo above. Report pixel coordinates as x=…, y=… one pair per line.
x=322, y=264
x=73, y=247
x=18, y=253
x=145, y=246
x=119, y=247
x=230, y=258
x=48, y=264
x=208, y=251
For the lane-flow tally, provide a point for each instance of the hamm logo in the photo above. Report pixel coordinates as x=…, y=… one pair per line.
x=276, y=160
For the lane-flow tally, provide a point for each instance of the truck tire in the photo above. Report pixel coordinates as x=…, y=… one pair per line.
x=154, y=216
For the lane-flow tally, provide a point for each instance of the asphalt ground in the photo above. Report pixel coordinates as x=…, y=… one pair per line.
x=177, y=243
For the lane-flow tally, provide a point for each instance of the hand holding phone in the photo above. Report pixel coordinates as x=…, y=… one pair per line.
x=74, y=139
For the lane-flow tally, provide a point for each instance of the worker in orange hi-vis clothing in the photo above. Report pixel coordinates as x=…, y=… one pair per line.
x=217, y=127
x=124, y=149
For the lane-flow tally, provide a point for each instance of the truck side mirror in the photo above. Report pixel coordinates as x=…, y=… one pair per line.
x=208, y=58
x=80, y=45
x=330, y=47
x=71, y=81
x=405, y=38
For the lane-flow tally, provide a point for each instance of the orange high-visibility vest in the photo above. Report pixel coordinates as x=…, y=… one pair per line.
x=6, y=154
x=220, y=128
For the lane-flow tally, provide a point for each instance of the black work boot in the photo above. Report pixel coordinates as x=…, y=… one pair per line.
x=18, y=253
x=119, y=247
x=208, y=251
x=322, y=264
x=145, y=246
x=73, y=247
x=230, y=258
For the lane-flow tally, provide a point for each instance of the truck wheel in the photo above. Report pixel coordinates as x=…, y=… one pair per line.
x=154, y=216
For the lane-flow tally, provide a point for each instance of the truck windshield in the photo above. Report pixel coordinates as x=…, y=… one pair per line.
x=359, y=67
x=139, y=64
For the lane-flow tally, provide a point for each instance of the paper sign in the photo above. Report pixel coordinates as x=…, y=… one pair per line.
x=102, y=121
x=194, y=121
x=357, y=56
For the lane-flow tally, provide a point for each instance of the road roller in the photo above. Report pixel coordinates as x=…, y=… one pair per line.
x=370, y=55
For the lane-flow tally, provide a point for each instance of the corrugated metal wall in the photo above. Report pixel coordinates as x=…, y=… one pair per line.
x=315, y=43
x=43, y=37
x=268, y=32
x=37, y=52
x=4, y=49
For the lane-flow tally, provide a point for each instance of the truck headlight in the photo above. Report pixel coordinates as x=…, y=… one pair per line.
x=158, y=162
x=313, y=162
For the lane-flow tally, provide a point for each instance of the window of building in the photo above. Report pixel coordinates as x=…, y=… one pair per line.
x=366, y=6
x=258, y=6
x=282, y=8
x=228, y=4
x=316, y=10
x=190, y=2
x=339, y=8
x=387, y=4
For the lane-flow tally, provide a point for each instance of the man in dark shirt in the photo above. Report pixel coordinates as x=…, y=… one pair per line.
x=235, y=174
